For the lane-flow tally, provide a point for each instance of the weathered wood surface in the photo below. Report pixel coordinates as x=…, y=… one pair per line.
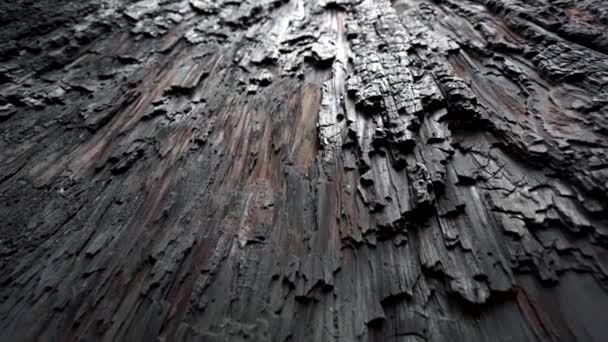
x=291, y=170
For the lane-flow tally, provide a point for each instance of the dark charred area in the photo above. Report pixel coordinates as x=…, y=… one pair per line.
x=291, y=170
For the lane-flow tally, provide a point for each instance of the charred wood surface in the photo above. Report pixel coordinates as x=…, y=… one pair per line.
x=291, y=170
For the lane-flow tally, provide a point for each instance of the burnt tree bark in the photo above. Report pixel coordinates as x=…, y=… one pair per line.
x=291, y=170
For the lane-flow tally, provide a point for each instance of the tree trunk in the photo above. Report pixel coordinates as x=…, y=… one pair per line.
x=293, y=170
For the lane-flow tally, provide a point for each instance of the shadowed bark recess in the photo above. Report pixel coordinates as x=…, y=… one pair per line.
x=304, y=170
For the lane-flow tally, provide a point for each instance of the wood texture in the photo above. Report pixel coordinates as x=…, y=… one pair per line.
x=291, y=170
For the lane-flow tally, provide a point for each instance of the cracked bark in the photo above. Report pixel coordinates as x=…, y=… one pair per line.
x=290, y=170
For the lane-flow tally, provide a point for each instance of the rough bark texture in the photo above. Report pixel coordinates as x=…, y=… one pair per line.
x=291, y=170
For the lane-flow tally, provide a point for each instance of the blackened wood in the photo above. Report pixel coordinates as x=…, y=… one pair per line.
x=290, y=170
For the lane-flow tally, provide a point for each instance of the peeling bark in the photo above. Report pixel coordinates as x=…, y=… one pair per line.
x=290, y=170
